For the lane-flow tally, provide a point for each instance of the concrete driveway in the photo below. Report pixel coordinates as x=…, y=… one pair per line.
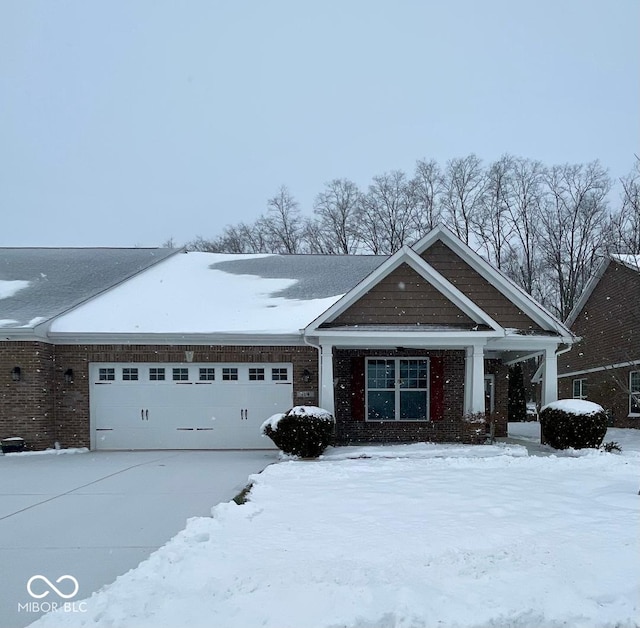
x=94, y=516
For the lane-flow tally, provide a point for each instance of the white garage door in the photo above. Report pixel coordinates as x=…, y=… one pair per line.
x=186, y=406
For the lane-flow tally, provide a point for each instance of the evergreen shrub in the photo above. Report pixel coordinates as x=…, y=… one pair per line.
x=304, y=431
x=573, y=423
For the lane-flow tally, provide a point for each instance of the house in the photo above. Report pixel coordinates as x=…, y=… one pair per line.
x=158, y=349
x=604, y=366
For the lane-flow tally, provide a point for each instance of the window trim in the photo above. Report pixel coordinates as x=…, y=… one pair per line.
x=397, y=389
x=582, y=383
x=633, y=413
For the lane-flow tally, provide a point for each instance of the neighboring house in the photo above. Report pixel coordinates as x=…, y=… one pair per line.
x=195, y=350
x=604, y=366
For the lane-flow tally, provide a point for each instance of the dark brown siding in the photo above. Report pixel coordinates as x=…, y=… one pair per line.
x=477, y=288
x=403, y=298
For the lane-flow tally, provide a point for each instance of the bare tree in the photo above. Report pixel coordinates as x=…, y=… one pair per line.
x=387, y=213
x=283, y=225
x=426, y=188
x=490, y=223
x=336, y=228
x=625, y=225
x=573, y=223
x=524, y=200
x=464, y=188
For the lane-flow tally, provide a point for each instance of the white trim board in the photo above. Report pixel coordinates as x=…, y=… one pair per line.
x=597, y=369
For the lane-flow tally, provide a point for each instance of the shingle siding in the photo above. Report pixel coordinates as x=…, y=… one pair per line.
x=477, y=288
x=403, y=298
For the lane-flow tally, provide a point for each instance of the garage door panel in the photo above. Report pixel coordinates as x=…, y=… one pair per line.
x=211, y=406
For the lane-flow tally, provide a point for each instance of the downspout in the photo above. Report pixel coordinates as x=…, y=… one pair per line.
x=315, y=346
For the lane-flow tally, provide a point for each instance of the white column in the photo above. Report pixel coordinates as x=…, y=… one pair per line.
x=468, y=376
x=550, y=377
x=474, y=379
x=326, y=378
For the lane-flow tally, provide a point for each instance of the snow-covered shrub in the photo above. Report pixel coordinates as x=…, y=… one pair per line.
x=304, y=431
x=573, y=423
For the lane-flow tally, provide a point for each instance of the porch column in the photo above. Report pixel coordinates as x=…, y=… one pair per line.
x=326, y=378
x=474, y=379
x=550, y=377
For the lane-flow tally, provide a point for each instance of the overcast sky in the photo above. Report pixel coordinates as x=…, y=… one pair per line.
x=128, y=122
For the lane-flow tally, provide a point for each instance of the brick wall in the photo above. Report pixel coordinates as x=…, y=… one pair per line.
x=501, y=395
x=609, y=389
x=27, y=406
x=43, y=408
x=449, y=429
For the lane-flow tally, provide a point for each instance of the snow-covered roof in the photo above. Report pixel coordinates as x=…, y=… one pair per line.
x=212, y=293
x=37, y=284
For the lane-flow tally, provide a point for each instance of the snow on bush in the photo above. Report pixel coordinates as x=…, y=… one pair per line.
x=304, y=431
x=573, y=423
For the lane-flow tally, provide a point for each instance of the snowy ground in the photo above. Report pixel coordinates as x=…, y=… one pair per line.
x=414, y=536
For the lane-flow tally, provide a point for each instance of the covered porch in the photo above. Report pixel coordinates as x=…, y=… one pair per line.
x=423, y=386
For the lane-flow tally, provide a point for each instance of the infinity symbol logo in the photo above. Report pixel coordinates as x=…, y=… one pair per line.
x=52, y=586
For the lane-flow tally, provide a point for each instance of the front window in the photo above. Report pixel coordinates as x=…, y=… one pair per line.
x=634, y=392
x=579, y=388
x=397, y=389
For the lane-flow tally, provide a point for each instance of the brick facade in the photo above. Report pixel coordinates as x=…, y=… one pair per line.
x=609, y=327
x=450, y=428
x=44, y=409
x=27, y=406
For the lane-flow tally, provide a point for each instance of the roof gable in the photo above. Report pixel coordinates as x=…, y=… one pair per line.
x=509, y=300
x=398, y=268
x=623, y=262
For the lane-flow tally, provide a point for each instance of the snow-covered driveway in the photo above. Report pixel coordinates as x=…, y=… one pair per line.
x=404, y=537
x=96, y=515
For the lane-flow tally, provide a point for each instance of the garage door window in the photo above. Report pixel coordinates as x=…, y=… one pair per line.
x=230, y=374
x=130, y=375
x=180, y=375
x=107, y=375
x=279, y=375
x=207, y=374
x=256, y=375
x=156, y=374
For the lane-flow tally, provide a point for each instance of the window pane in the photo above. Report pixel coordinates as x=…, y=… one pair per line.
x=130, y=374
x=381, y=405
x=381, y=374
x=156, y=374
x=230, y=374
x=413, y=404
x=279, y=374
x=256, y=375
x=207, y=374
x=180, y=375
